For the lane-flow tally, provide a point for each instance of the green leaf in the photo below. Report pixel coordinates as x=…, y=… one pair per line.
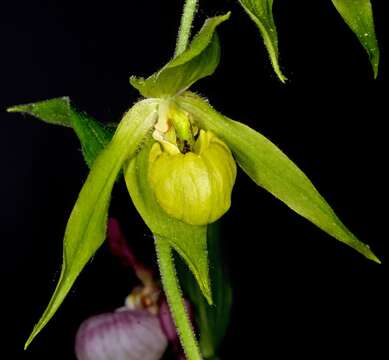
x=198, y=61
x=261, y=12
x=358, y=15
x=188, y=240
x=59, y=111
x=270, y=168
x=86, y=228
x=53, y=111
x=212, y=321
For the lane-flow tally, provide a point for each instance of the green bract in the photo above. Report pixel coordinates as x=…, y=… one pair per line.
x=199, y=60
x=188, y=240
x=196, y=186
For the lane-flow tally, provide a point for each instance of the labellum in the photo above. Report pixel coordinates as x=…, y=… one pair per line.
x=193, y=184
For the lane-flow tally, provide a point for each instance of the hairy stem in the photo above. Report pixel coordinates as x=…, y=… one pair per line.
x=189, y=11
x=174, y=297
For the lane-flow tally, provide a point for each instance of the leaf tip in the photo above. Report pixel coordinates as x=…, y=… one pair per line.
x=29, y=340
x=17, y=108
x=375, y=70
x=37, y=329
x=226, y=16
x=282, y=77
x=133, y=79
x=374, y=258
x=277, y=70
x=369, y=254
x=374, y=57
x=208, y=295
x=138, y=83
x=205, y=286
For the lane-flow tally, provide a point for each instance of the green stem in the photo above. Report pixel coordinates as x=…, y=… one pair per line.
x=189, y=11
x=174, y=297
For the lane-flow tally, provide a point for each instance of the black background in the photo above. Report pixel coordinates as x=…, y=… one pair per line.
x=298, y=292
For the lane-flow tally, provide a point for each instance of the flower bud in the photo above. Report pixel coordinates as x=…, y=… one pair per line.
x=194, y=187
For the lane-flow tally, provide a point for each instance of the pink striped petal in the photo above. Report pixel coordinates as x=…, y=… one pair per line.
x=122, y=335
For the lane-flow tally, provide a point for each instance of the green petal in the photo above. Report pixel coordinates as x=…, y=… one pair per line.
x=358, y=15
x=198, y=61
x=271, y=169
x=59, y=111
x=260, y=11
x=188, y=240
x=86, y=228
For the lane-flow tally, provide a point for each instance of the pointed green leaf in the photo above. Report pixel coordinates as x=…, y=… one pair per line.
x=59, y=111
x=261, y=12
x=188, y=240
x=86, y=228
x=53, y=111
x=270, y=168
x=198, y=61
x=212, y=321
x=358, y=15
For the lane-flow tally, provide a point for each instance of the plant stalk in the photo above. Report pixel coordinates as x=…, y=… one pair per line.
x=174, y=297
x=189, y=11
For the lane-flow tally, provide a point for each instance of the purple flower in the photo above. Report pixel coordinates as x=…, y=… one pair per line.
x=122, y=335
